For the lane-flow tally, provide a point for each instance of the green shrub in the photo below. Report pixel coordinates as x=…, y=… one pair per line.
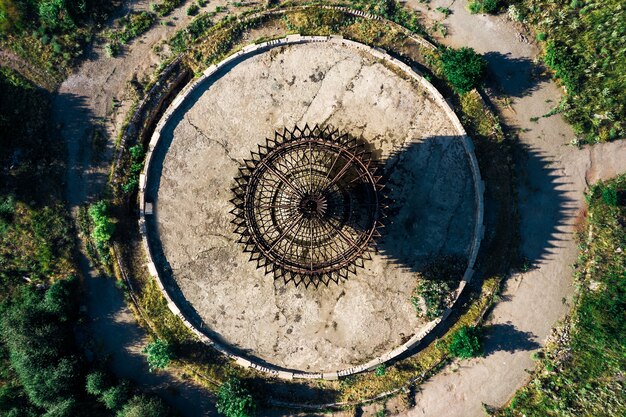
x=609, y=195
x=465, y=343
x=474, y=7
x=7, y=208
x=235, y=400
x=159, y=354
x=97, y=383
x=192, y=10
x=114, y=398
x=381, y=370
x=490, y=6
x=144, y=406
x=463, y=68
x=103, y=226
x=541, y=36
x=112, y=49
x=54, y=14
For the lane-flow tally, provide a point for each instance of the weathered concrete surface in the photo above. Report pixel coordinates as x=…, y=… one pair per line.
x=308, y=329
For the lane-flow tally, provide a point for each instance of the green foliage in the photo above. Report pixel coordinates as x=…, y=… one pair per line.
x=97, y=383
x=381, y=370
x=159, y=354
x=609, y=196
x=193, y=31
x=112, y=49
x=7, y=208
x=483, y=6
x=465, y=343
x=40, y=344
x=114, y=397
x=103, y=226
x=435, y=284
x=144, y=406
x=586, y=52
x=192, y=10
x=132, y=25
x=581, y=372
x=444, y=10
x=390, y=9
x=542, y=36
x=53, y=14
x=463, y=68
x=136, y=152
x=165, y=7
x=11, y=16
x=235, y=400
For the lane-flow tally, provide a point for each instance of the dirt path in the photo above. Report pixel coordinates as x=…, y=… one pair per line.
x=552, y=179
x=93, y=99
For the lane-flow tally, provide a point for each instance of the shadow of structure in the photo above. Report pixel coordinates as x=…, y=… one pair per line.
x=546, y=211
x=517, y=77
x=431, y=203
x=506, y=337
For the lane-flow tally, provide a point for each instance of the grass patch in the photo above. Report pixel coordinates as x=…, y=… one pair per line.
x=584, y=49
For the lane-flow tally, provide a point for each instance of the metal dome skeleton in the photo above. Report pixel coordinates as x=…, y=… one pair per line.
x=307, y=205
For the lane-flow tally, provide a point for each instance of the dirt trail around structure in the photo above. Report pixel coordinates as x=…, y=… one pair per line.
x=91, y=100
x=552, y=178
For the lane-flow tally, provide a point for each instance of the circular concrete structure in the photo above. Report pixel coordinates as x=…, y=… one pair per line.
x=433, y=186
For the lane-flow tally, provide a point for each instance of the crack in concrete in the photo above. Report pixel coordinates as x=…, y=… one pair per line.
x=221, y=144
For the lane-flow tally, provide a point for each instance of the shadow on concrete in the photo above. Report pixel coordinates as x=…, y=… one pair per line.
x=506, y=337
x=517, y=77
x=431, y=209
x=545, y=209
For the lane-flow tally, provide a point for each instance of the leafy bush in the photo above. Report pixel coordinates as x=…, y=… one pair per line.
x=114, y=397
x=235, y=400
x=54, y=14
x=465, y=343
x=103, y=226
x=484, y=6
x=192, y=10
x=463, y=68
x=159, y=354
x=144, y=406
x=381, y=370
x=133, y=25
x=97, y=383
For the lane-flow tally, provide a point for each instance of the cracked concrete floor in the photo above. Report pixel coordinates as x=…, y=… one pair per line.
x=322, y=329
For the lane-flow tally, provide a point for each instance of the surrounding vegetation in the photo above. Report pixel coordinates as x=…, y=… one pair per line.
x=50, y=34
x=483, y=6
x=581, y=372
x=463, y=68
x=235, y=400
x=435, y=283
x=465, y=343
x=159, y=354
x=583, y=44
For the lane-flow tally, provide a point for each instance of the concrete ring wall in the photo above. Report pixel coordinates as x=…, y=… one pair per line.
x=145, y=207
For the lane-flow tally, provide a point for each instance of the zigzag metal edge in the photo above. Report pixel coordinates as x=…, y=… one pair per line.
x=327, y=133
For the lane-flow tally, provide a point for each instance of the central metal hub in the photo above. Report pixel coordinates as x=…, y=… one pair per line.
x=313, y=205
x=307, y=205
